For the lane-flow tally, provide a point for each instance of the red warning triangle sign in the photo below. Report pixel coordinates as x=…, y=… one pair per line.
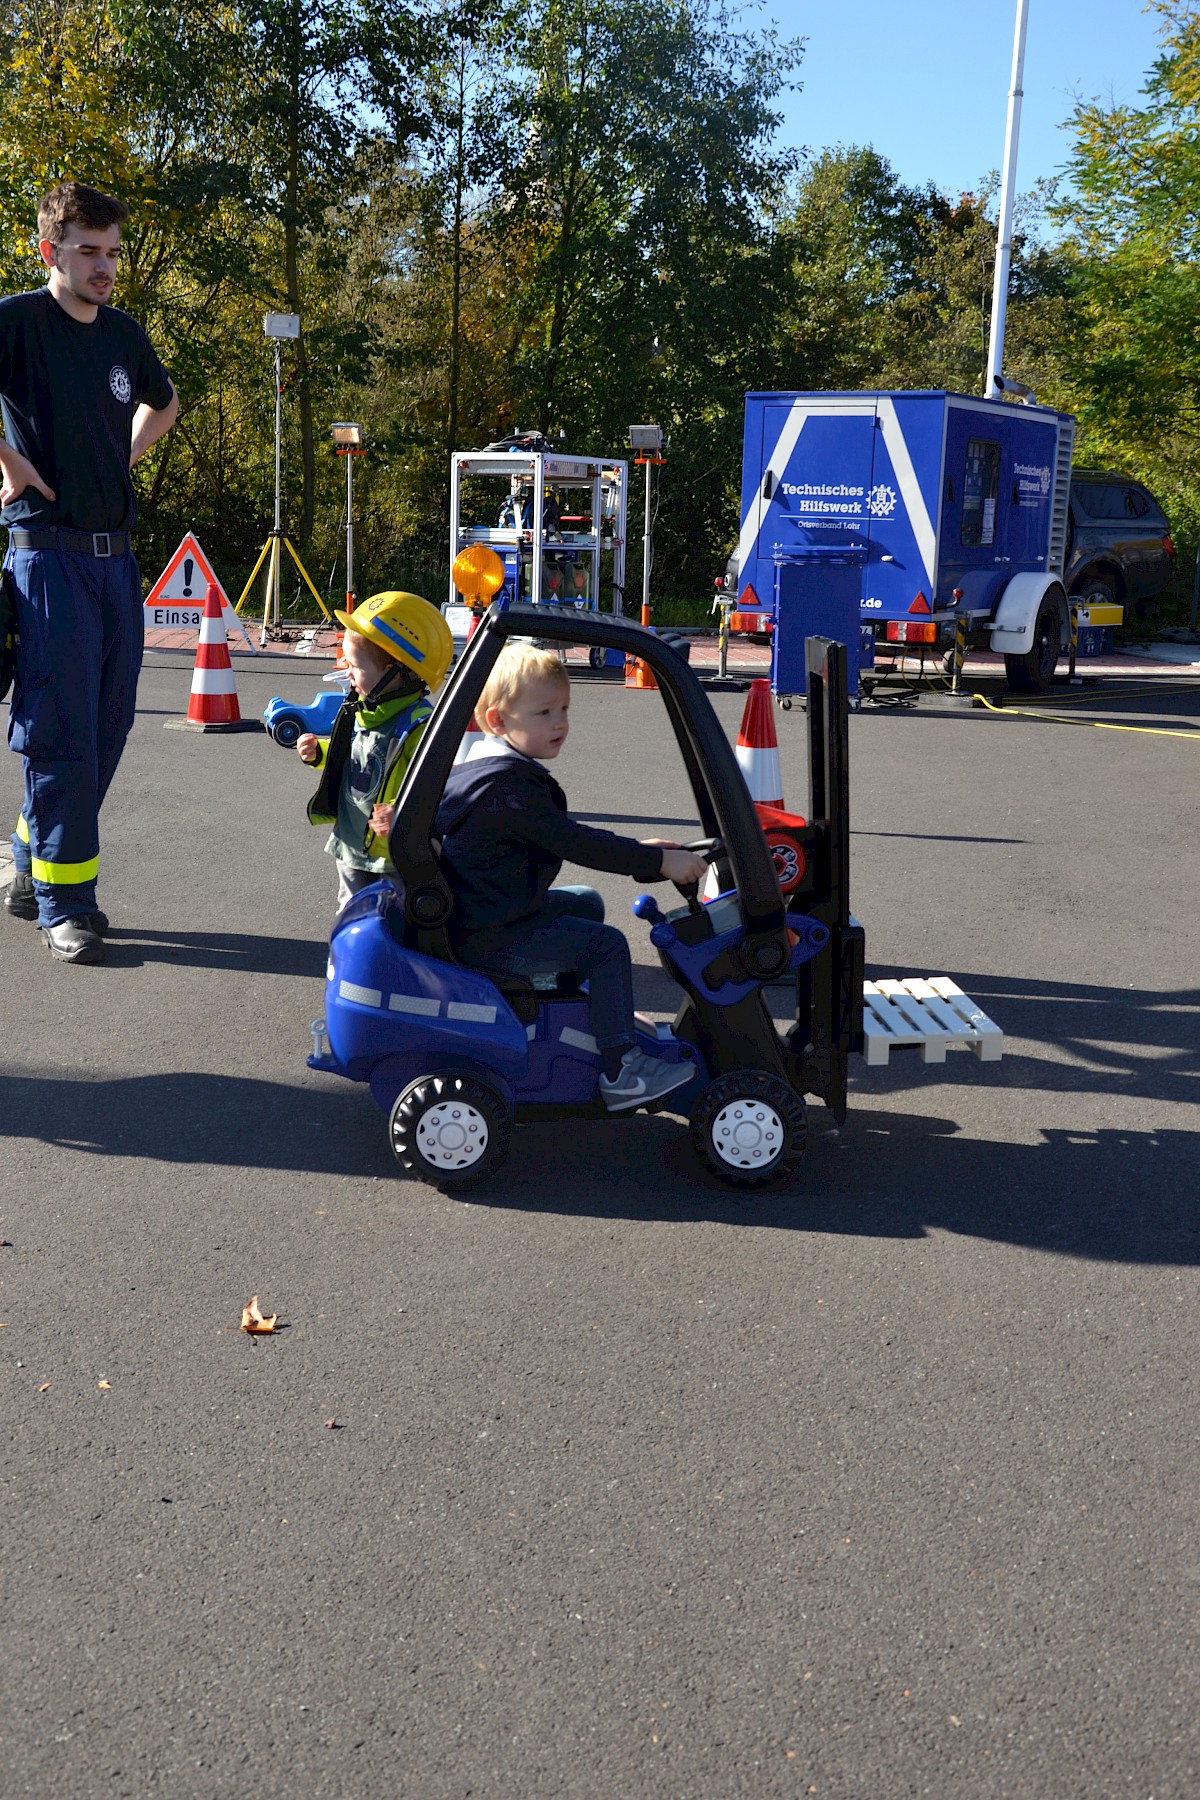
x=748, y=599
x=177, y=597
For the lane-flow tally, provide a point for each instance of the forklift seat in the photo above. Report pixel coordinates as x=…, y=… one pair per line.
x=524, y=995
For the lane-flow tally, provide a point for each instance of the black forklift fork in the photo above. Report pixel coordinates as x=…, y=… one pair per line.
x=829, y=989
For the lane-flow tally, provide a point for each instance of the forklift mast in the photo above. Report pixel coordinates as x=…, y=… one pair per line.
x=829, y=990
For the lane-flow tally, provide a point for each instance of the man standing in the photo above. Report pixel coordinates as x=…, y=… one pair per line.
x=83, y=395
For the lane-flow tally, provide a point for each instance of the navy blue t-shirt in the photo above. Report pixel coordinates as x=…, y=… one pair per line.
x=68, y=393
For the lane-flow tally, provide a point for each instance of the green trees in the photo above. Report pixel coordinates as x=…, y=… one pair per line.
x=633, y=223
x=564, y=214
x=1134, y=232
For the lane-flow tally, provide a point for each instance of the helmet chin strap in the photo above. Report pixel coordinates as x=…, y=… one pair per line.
x=366, y=701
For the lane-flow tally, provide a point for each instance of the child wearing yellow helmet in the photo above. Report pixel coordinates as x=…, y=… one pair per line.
x=397, y=648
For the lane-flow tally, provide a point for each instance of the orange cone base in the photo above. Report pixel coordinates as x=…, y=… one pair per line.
x=637, y=674
x=228, y=725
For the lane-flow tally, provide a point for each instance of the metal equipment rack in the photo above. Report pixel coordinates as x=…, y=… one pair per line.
x=529, y=550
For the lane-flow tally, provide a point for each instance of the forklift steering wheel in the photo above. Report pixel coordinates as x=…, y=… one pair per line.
x=709, y=848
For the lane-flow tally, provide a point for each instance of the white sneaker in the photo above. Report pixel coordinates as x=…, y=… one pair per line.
x=642, y=1079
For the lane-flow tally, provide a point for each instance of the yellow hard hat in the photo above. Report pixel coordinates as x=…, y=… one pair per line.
x=408, y=629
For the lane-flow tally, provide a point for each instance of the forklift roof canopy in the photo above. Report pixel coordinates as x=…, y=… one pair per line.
x=723, y=802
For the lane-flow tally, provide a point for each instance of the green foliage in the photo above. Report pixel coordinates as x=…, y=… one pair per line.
x=571, y=215
x=1133, y=220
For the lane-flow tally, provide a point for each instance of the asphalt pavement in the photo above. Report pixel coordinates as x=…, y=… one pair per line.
x=601, y=1482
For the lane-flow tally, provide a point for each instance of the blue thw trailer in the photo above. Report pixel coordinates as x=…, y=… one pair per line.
x=894, y=515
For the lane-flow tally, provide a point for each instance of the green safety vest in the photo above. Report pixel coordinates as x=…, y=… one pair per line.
x=408, y=714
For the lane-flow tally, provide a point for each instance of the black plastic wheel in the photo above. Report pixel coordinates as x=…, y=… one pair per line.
x=749, y=1128
x=286, y=733
x=451, y=1130
x=1033, y=672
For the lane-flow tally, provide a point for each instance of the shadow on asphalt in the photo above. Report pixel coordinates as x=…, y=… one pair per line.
x=240, y=951
x=1110, y=1194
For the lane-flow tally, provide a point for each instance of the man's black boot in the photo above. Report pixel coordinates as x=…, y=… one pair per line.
x=20, y=899
x=74, y=941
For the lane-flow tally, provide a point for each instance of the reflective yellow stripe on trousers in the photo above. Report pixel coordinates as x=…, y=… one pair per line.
x=59, y=874
x=66, y=874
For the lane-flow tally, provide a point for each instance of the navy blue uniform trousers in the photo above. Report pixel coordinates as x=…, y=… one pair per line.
x=79, y=620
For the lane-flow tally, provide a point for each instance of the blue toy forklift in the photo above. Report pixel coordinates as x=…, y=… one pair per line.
x=455, y=1057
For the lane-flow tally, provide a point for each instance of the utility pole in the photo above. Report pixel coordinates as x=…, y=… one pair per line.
x=1004, y=230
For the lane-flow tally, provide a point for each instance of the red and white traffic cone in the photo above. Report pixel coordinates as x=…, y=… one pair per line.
x=758, y=747
x=213, y=705
x=758, y=759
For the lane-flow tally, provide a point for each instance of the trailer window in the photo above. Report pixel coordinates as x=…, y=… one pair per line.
x=981, y=484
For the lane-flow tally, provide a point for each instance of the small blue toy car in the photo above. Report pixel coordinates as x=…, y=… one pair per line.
x=456, y=1057
x=287, y=722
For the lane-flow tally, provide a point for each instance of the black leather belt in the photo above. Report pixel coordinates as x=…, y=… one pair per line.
x=80, y=543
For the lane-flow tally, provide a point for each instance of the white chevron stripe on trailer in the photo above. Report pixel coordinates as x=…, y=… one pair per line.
x=931, y=1016
x=910, y=487
x=579, y=1040
x=893, y=436
x=801, y=411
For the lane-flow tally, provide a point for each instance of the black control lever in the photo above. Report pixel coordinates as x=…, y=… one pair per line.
x=709, y=849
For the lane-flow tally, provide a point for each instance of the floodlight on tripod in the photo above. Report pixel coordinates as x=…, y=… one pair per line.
x=348, y=442
x=279, y=327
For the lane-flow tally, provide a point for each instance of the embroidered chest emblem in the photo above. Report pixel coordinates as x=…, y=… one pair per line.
x=119, y=382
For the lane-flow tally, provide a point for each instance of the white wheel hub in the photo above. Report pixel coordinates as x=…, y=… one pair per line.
x=747, y=1134
x=452, y=1135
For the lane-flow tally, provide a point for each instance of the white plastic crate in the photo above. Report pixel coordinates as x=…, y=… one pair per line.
x=926, y=1013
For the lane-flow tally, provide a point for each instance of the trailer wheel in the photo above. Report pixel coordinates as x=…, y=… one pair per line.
x=451, y=1130
x=1033, y=672
x=749, y=1128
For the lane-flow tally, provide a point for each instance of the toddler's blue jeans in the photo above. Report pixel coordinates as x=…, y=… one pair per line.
x=569, y=933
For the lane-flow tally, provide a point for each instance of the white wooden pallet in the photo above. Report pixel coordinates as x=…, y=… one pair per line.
x=929, y=1014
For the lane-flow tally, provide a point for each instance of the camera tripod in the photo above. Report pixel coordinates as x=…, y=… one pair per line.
x=272, y=554
x=276, y=326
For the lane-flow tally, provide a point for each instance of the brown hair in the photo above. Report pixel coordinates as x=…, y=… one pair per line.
x=74, y=203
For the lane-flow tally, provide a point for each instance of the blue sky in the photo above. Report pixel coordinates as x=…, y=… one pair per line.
x=927, y=82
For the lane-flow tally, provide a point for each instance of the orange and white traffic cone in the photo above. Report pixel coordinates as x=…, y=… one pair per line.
x=213, y=704
x=758, y=747
x=758, y=759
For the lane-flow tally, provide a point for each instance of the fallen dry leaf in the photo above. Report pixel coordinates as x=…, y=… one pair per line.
x=45, y=1387
x=104, y=1384
x=252, y=1319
